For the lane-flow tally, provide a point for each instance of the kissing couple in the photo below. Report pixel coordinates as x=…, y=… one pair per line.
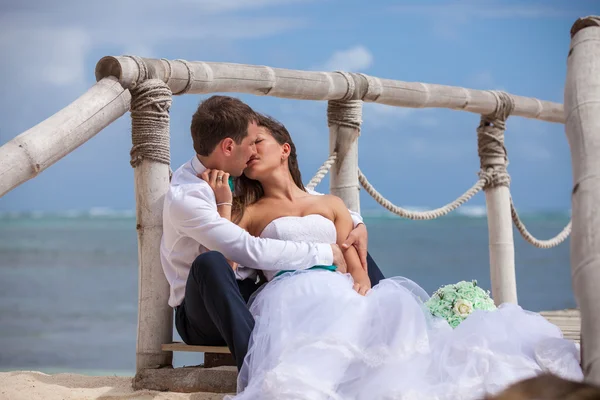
x=282, y=276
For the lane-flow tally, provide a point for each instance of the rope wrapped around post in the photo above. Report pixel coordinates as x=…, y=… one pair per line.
x=150, y=158
x=493, y=162
x=492, y=153
x=346, y=113
x=490, y=143
x=493, y=156
x=150, y=105
x=344, y=117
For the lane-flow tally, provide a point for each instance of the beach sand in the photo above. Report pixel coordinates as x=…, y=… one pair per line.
x=31, y=385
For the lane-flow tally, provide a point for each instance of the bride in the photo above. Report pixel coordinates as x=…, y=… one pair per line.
x=321, y=334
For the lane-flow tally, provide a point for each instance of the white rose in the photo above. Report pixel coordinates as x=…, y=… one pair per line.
x=463, y=308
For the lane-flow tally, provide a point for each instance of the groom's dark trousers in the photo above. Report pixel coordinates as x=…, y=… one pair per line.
x=214, y=311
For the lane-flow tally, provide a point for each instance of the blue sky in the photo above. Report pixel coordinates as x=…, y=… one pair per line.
x=420, y=157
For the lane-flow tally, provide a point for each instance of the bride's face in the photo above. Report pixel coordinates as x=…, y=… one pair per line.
x=270, y=155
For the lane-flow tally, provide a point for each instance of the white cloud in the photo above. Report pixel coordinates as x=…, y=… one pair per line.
x=219, y=6
x=528, y=139
x=483, y=80
x=440, y=150
x=131, y=10
x=428, y=122
x=381, y=115
x=533, y=151
x=488, y=10
x=50, y=55
x=448, y=19
x=357, y=58
x=49, y=42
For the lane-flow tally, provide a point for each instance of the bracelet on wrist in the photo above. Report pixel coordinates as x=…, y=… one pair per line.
x=224, y=204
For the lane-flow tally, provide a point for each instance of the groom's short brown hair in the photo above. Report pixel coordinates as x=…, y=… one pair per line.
x=217, y=118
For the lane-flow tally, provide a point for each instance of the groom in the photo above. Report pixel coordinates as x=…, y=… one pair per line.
x=208, y=295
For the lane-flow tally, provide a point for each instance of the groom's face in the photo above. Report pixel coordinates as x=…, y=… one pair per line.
x=243, y=152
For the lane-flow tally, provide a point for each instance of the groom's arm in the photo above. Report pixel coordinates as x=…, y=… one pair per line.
x=356, y=218
x=195, y=214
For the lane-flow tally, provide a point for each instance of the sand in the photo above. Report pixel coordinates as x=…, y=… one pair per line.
x=31, y=385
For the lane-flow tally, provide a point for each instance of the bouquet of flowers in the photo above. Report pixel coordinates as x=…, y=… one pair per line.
x=456, y=302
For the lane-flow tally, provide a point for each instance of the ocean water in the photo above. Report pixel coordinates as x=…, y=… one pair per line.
x=68, y=283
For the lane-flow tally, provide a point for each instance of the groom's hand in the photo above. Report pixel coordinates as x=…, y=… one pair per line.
x=338, y=259
x=359, y=238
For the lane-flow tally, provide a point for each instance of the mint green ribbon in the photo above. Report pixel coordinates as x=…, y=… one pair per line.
x=326, y=267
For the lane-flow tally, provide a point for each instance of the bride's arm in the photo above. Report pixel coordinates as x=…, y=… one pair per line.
x=343, y=225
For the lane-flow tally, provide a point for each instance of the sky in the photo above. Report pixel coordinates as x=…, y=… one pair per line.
x=414, y=157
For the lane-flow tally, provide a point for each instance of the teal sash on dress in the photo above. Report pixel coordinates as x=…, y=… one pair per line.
x=327, y=267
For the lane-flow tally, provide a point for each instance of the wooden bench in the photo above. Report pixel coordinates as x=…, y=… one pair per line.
x=214, y=356
x=568, y=321
x=180, y=346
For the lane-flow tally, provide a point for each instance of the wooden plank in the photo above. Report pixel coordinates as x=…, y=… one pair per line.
x=179, y=346
x=569, y=322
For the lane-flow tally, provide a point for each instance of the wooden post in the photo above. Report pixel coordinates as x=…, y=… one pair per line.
x=502, y=247
x=497, y=197
x=343, y=181
x=150, y=105
x=344, y=118
x=582, y=112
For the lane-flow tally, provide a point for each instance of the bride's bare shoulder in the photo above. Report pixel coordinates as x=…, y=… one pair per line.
x=331, y=201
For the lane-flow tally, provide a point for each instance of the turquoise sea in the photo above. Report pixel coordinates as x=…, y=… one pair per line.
x=68, y=282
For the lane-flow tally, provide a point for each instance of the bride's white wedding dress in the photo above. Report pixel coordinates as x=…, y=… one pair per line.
x=316, y=338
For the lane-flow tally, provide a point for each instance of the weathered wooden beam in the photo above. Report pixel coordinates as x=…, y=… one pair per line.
x=34, y=150
x=199, y=77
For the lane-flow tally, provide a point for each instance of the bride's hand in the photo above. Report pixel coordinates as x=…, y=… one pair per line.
x=362, y=284
x=219, y=182
x=358, y=238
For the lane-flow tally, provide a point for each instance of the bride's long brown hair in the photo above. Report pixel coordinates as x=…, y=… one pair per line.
x=249, y=191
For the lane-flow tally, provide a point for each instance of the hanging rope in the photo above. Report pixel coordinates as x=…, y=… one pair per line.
x=542, y=244
x=492, y=153
x=420, y=215
x=321, y=172
x=493, y=163
x=415, y=215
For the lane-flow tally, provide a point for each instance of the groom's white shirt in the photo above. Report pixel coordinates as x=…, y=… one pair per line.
x=192, y=225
